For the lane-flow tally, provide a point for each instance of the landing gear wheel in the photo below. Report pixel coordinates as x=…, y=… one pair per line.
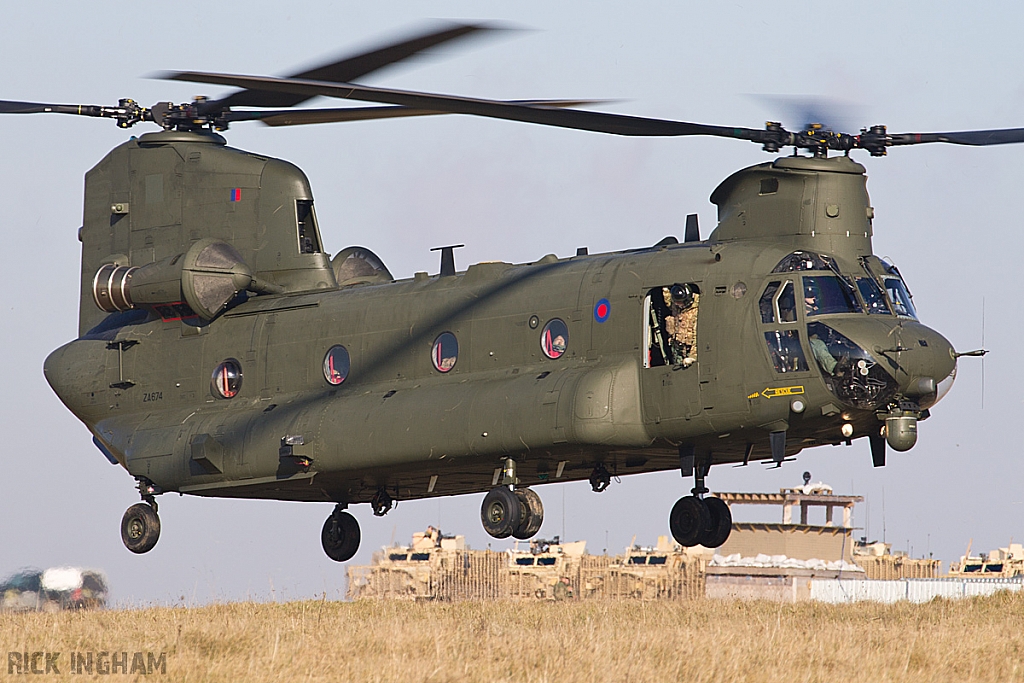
x=140, y=528
x=721, y=523
x=689, y=521
x=340, y=536
x=502, y=512
x=533, y=514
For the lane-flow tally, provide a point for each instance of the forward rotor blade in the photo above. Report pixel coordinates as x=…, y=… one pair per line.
x=616, y=124
x=976, y=138
x=8, y=107
x=350, y=68
x=299, y=117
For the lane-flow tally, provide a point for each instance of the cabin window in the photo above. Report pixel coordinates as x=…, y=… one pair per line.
x=309, y=236
x=670, y=335
x=336, y=365
x=227, y=379
x=445, y=352
x=785, y=350
x=554, y=338
x=524, y=561
x=874, y=300
x=826, y=294
x=546, y=561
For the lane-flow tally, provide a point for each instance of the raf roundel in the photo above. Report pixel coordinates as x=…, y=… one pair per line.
x=602, y=309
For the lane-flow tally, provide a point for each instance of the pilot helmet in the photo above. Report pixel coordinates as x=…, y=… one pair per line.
x=682, y=295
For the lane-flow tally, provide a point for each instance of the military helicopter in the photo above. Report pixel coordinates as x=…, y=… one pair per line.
x=222, y=352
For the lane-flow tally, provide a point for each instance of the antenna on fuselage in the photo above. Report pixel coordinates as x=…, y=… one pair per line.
x=692, y=233
x=448, y=259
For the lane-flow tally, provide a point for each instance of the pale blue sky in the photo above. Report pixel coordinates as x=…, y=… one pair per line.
x=947, y=216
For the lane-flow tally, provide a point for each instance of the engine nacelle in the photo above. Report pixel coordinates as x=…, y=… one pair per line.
x=206, y=278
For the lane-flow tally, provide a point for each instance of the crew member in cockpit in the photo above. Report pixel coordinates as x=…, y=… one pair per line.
x=810, y=300
x=821, y=354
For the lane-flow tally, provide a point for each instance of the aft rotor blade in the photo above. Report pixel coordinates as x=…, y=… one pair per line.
x=601, y=122
x=352, y=67
x=977, y=138
x=299, y=117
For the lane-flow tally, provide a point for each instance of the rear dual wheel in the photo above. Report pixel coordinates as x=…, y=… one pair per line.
x=695, y=521
x=533, y=514
x=518, y=513
x=340, y=536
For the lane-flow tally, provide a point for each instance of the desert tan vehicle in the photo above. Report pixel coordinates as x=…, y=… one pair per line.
x=1003, y=562
x=664, y=572
x=547, y=570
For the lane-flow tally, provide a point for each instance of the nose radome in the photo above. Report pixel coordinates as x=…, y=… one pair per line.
x=927, y=367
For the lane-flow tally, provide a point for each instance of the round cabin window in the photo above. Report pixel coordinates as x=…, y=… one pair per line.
x=554, y=338
x=336, y=365
x=445, y=352
x=227, y=379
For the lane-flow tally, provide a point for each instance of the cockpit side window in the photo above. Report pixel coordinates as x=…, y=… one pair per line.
x=309, y=236
x=826, y=294
x=785, y=350
x=766, y=305
x=670, y=333
x=778, y=307
x=874, y=300
x=900, y=297
x=786, y=304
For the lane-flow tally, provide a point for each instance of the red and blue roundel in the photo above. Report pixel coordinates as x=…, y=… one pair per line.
x=602, y=309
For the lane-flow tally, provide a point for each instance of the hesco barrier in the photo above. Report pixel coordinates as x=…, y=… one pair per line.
x=914, y=590
x=487, y=575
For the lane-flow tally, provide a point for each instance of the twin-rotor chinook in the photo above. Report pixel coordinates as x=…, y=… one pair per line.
x=221, y=352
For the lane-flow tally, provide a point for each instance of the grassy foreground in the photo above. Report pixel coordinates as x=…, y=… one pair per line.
x=968, y=640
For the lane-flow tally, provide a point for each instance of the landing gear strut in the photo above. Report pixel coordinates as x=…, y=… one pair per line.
x=140, y=525
x=600, y=478
x=381, y=502
x=696, y=520
x=510, y=511
x=340, y=535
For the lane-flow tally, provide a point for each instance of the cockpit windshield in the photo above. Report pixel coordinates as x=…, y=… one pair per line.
x=873, y=297
x=900, y=297
x=827, y=294
x=896, y=292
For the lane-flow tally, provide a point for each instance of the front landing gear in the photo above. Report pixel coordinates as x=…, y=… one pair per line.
x=140, y=528
x=696, y=520
x=340, y=536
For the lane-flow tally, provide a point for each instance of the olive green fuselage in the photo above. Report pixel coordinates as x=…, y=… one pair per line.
x=145, y=388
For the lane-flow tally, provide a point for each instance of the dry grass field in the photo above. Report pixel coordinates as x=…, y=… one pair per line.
x=969, y=640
